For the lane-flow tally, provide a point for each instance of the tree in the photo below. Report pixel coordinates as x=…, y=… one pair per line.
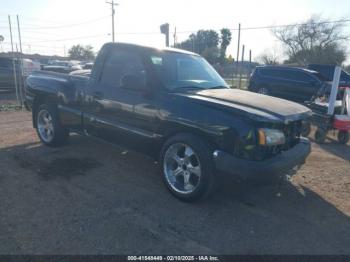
x=315, y=41
x=268, y=57
x=80, y=52
x=188, y=44
x=225, y=41
x=200, y=41
x=211, y=54
x=230, y=59
x=206, y=43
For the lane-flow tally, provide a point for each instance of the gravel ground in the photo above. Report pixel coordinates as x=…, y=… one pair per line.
x=89, y=197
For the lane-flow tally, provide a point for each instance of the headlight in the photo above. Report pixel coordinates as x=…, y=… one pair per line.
x=271, y=137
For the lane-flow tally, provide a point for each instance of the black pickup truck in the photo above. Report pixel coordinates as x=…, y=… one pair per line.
x=172, y=105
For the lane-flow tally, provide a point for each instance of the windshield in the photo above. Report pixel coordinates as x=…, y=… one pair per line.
x=181, y=71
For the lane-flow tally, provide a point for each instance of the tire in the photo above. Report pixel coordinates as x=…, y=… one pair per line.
x=305, y=128
x=187, y=153
x=320, y=135
x=343, y=137
x=48, y=126
x=263, y=91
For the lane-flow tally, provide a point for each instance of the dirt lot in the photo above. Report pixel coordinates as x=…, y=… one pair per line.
x=92, y=198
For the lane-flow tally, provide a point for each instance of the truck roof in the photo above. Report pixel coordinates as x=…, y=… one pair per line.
x=136, y=46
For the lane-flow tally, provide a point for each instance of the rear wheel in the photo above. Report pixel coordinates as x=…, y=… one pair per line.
x=343, y=137
x=187, y=167
x=320, y=135
x=48, y=126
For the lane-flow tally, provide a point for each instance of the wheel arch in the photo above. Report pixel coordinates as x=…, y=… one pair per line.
x=177, y=129
x=39, y=100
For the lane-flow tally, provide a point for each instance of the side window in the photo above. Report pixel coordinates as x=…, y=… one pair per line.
x=275, y=73
x=300, y=76
x=95, y=73
x=266, y=72
x=284, y=74
x=261, y=71
x=121, y=65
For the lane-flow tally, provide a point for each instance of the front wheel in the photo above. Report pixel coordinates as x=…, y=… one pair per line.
x=343, y=137
x=187, y=167
x=48, y=126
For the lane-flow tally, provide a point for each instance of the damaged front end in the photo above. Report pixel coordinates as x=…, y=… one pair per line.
x=269, y=140
x=267, y=148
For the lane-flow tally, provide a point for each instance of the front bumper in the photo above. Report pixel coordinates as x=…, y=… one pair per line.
x=277, y=165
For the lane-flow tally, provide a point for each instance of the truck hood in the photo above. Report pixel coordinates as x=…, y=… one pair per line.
x=256, y=106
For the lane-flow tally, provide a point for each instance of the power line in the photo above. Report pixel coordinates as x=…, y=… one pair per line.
x=275, y=26
x=156, y=33
x=35, y=45
x=66, y=25
x=292, y=25
x=39, y=19
x=183, y=32
x=66, y=39
x=41, y=33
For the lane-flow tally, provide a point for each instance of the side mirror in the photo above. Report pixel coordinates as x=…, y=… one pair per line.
x=133, y=82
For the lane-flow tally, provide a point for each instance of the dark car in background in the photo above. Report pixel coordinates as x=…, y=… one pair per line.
x=82, y=72
x=6, y=74
x=62, y=67
x=88, y=66
x=57, y=69
x=291, y=83
x=327, y=72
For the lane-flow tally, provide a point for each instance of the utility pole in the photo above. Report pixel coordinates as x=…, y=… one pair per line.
x=240, y=74
x=175, y=40
x=113, y=13
x=13, y=59
x=239, y=41
x=237, y=57
x=20, y=78
x=250, y=61
x=21, y=86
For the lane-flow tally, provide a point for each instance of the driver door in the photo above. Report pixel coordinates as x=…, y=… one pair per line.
x=113, y=99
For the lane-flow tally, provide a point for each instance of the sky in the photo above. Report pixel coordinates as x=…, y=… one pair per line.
x=52, y=27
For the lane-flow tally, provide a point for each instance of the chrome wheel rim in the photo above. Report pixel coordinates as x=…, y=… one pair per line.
x=182, y=168
x=263, y=91
x=45, y=125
